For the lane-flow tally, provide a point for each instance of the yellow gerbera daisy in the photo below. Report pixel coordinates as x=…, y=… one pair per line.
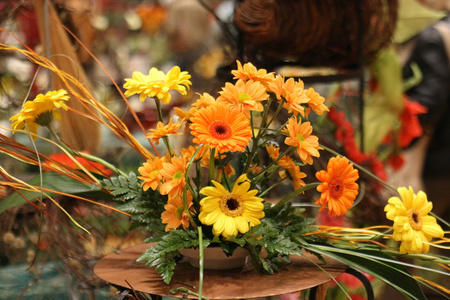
x=412, y=225
x=249, y=72
x=163, y=130
x=174, y=214
x=221, y=127
x=41, y=111
x=244, y=95
x=151, y=173
x=299, y=136
x=157, y=84
x=231, y=212
x=339, y=188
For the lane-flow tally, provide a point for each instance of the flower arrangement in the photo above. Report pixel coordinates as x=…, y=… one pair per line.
x=243, y=144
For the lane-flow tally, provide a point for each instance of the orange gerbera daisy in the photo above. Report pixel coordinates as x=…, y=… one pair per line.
x=292, y=92
x=339, y=188
x=299, y=136
x=221, y=127
x=163, y=130
x=244, y=95
x=173, y=174
x=316, y=101
x=151, y=173
x=249, y=72
x=174, y=214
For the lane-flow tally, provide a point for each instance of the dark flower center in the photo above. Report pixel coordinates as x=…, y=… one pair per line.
x=231, y=205
x=220, y=130
x=415, y=219
x=336, y=187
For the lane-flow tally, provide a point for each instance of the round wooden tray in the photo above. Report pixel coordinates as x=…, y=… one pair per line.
x=121, y=269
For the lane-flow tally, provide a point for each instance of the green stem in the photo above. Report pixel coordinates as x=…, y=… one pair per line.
x=160, y=119
x=211, y=164
x=288, y=151
x=85, y=155
x=186, y=291
x=294, y=194
x=264, y=193
x=188, y=186
x=200, y=248
x=280, y=106
x=360, y=168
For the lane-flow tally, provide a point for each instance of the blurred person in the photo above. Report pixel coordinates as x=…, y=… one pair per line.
x=423, y=33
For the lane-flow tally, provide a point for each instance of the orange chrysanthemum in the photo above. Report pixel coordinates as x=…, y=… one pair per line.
x=163, y=130
x=221, y=127
x=296, y=175
x=202, y=155
x=299, y=136
x=174, y=215
x=292, y=92
x=151, y=173
x=287, y=163
x=249, y=72
x=316, y=101
x=173, y=174
x=339, y=188
x=246, y=96
x=205, y=100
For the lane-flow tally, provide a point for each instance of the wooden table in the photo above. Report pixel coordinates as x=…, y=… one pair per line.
x=121, y=269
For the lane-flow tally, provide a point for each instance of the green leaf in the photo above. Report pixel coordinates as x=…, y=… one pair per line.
x=378, y=264
x=53, y=181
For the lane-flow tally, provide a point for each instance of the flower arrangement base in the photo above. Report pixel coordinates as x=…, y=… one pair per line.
x=215, y=259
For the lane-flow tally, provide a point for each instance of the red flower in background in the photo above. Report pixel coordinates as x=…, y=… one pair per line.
x=91, y=166
x=411, y=127
x=396, y=161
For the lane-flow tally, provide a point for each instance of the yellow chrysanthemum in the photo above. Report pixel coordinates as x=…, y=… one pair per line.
x=151, y=173
x=231, y=212
x=221, y=127
x=41, y=111
x=299, y=136
x=339, y=188
x=249, y=72
x=174, y=215
x=412, y=225
x=245, y=95
x=163, y=130
x=157, y=84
